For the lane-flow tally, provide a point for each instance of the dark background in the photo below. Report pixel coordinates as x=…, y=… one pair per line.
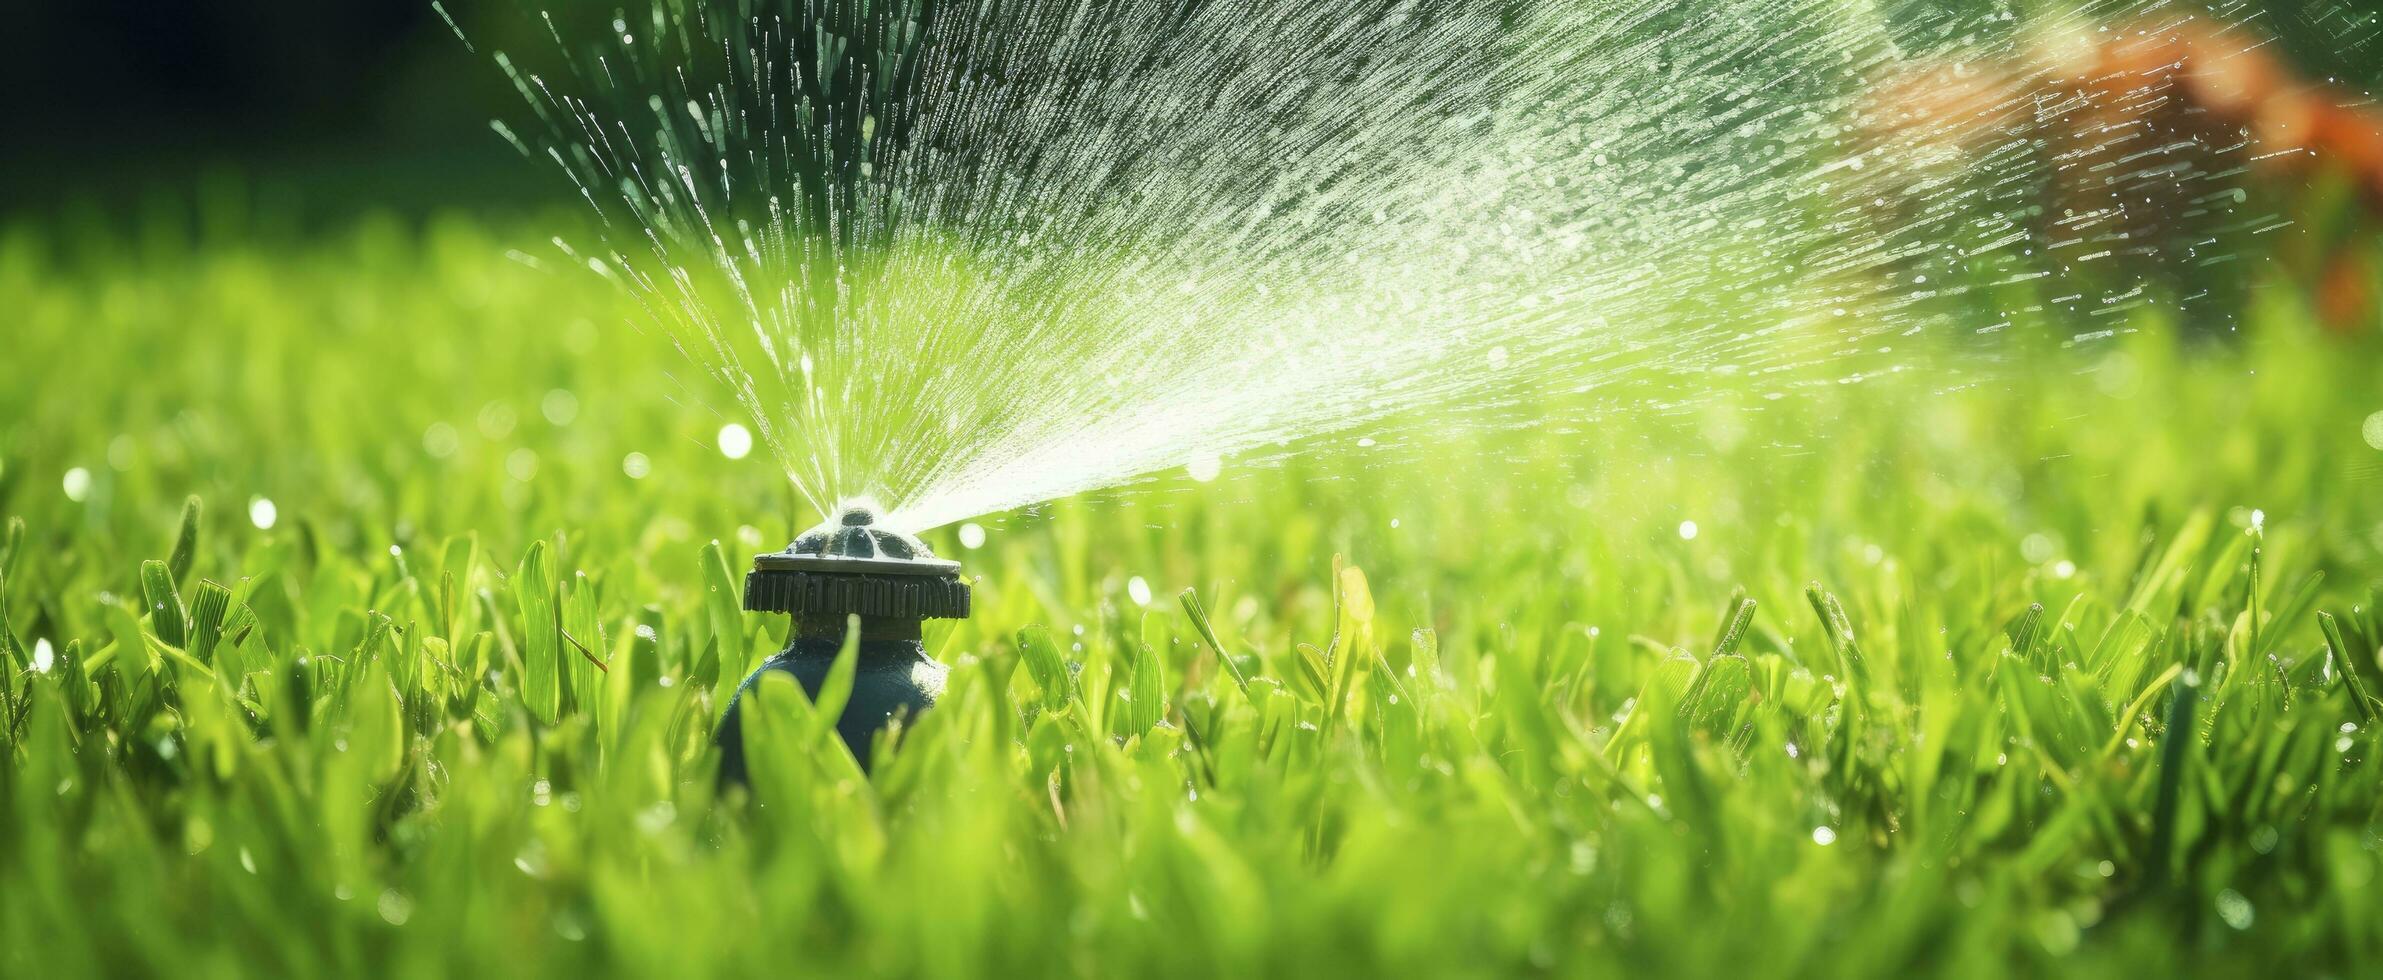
x=331, y=105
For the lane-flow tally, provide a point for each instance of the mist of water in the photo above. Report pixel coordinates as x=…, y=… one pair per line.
x=965, y=257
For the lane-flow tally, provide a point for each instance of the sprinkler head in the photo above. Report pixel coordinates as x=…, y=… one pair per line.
x=852, y=565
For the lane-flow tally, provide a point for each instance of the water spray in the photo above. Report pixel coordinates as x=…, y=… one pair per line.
x=852, y=573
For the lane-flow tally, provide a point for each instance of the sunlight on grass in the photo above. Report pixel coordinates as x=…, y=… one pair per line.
x=2063, y=667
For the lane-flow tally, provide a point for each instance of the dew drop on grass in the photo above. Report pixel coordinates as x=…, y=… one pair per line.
x=972, y=536
x=1824, y=835
x=43, y=656
x=395, y=908
x=1687, y=530
x=736, y=441
x=636, y=466
x=262, y=513
x=1138, y=590
x=77, y=484
x=2373, y=430
x=2235, y=909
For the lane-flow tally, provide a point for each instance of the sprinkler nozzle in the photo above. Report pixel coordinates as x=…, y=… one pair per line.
x=851, y=565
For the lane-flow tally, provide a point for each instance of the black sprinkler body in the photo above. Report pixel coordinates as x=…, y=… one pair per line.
x=852, y=566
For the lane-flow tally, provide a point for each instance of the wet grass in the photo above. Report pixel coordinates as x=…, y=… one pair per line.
x=2054, y=667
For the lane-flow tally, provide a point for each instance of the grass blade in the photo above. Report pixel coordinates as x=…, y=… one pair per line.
x=186, y=542
x=2337, y=648
x=541, y=666
x=167, y=617
x=1199, y=619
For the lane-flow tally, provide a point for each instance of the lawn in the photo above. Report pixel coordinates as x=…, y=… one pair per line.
x=2035, y=657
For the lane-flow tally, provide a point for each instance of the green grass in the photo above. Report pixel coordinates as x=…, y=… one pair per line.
x=2060, y=700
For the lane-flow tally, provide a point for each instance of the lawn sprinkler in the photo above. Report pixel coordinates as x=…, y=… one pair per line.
x=852, y=566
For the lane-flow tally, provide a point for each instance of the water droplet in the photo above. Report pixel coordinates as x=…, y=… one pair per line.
x=1205, y=468
x=262, y=513
x=1138, y=590
x=2235, y=909
x=440, y=440
x=972, y=536
x=2037, y=548
x=1687, y=530
x=497, y=420
x=2373, y=430
x=522, y=464
x=636, y=466
x=43, y=656
x=559, y=407
x=1824, y=835
x=395, y=908
x=77, y=484
x=736, y=441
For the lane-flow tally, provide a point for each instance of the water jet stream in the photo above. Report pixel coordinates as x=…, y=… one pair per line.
x=965, y=258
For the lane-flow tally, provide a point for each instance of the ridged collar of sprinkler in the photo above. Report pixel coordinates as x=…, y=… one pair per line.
x=852, y=565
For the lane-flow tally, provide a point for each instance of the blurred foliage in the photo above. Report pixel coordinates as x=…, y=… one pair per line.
x=2062, y=700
